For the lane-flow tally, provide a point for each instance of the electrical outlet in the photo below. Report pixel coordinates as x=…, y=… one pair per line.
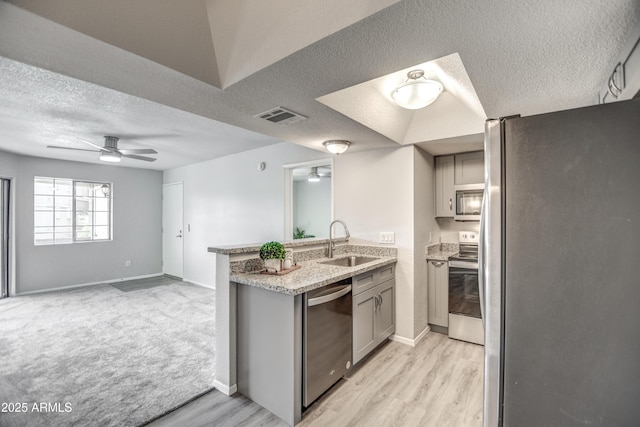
x=127, y=263
x=387, y=237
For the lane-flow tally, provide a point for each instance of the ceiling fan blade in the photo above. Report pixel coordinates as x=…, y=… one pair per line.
x=125, y=151
x=69, y=148
x=97, y=146
x=133, y=156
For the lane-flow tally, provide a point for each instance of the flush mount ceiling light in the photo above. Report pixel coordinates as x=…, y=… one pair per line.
x=110, y=156
x=336, y=146
x=416, y=92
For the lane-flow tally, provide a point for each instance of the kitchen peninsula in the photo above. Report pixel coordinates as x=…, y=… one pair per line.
x=259, y=316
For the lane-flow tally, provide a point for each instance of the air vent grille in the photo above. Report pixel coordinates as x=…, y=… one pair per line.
x=281, y=116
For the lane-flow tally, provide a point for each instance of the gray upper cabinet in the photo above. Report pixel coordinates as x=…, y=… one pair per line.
x=373, y=310
x=624, y=81
x=459, y=169
x=438, y=281
x=445, y=194
x=469, y=168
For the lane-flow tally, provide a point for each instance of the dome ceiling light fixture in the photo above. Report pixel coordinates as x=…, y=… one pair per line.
x=336, y=146
x=417, y=91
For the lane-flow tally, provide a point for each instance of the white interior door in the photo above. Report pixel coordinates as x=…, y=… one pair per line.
x=172, y=230
x=4, y=238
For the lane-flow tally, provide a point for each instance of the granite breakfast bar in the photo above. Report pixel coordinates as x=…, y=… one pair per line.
x=264, y=320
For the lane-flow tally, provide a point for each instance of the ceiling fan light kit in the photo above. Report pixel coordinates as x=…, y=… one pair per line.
x=110, y=156
x=337, y=146
x=417, y=91
x=313, y=176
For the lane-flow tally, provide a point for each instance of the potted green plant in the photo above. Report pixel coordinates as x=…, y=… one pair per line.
x=299, y=234
x=272, y=253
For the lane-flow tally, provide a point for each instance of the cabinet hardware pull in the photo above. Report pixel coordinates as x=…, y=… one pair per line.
x=437, y=263
x=450, y=204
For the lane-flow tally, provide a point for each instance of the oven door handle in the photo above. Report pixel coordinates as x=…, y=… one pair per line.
x=464, y=264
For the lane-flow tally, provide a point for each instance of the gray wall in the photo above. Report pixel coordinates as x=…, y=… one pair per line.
x=137, y=222
x=425, y=226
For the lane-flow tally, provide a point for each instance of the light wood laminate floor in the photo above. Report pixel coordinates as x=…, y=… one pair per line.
x=437, y=383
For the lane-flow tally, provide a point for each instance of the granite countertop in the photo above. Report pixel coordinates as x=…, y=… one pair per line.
x=311, y=275
x=441, y=251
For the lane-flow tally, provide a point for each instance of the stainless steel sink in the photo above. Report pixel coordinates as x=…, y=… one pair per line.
x=349, y=261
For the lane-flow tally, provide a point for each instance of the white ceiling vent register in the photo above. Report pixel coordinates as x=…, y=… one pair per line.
x=281, y=116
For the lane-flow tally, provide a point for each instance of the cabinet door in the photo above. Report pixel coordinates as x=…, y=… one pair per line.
x=469, y=168
x=364, y=333
x=385, y=314
x=438, y=277
x=445, y=194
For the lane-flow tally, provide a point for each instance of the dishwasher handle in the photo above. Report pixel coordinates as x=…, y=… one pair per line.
x=342, y=291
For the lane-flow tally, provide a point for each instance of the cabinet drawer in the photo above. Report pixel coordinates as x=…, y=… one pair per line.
x=369, y=279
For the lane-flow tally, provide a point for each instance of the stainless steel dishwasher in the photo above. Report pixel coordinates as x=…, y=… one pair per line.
x=327, y=332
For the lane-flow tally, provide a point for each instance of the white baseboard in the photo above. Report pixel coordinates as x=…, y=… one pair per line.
x=199, y=284
x=39, y=291
x=223, y=388
x=408, y=341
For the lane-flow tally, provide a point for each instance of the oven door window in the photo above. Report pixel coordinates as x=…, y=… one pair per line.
x=464, y=294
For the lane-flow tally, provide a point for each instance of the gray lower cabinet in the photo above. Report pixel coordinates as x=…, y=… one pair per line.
x=438, y=281
x=373, y=313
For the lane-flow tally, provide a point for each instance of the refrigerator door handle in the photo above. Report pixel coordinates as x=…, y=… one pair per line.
x=481, y=252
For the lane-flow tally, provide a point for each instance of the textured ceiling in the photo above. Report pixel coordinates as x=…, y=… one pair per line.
x=41, y=108
x=521, y=58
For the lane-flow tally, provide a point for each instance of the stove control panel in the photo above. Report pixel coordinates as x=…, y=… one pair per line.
x=468, y=237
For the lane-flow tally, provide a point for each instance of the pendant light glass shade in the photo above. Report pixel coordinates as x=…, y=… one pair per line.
x=337, y=146
x=417, y=92
x=110, y=156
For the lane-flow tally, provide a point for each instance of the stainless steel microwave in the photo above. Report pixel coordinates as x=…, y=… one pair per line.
x=468, y=202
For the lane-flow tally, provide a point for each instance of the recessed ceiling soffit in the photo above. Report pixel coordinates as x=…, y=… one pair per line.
x=456, y=112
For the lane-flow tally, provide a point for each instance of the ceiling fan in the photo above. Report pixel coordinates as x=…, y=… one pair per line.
x=314, y=176
x=111, y=153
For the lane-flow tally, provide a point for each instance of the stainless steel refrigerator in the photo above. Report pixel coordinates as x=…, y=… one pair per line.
x=560, y=268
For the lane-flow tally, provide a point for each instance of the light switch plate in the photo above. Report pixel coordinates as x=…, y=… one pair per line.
x=387, y=237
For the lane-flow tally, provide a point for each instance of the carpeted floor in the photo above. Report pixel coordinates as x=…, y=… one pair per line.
x=98, y=356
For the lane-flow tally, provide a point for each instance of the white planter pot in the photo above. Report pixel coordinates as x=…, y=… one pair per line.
x=273, y=265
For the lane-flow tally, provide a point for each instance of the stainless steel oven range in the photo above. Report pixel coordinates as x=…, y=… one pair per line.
x=465, y=317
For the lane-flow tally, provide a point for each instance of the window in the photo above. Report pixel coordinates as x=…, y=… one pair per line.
x=69, y=211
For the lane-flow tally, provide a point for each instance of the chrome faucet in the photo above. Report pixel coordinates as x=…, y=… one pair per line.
x=331, y=242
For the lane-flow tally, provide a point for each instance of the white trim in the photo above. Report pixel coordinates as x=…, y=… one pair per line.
x=103, y=282
x=193, y=282
x=223, y=388
x=288, y=191
x=408, y=341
